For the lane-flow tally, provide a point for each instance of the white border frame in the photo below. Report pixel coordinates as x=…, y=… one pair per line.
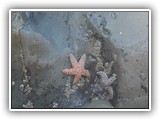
x=117, y=10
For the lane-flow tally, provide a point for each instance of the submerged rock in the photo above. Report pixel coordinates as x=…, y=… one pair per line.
x=43, y=55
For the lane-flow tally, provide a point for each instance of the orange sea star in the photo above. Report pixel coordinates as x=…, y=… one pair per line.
x=77, y=69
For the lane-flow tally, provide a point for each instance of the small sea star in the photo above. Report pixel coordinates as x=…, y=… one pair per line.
x=77, y=69
x=106, y=82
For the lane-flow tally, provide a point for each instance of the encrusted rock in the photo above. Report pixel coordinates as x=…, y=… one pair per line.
x=96, y=49
x=27, y=89
x=99, y=65
x=17, y=22
x=91, y=59
x=69, y=89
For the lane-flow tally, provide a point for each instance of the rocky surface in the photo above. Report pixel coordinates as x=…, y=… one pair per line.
x=114, y=42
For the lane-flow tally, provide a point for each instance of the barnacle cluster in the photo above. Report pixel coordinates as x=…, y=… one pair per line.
x=70, y=89
x=54, y=105
x=25, y=87
x=103, y=69
x=29, y=104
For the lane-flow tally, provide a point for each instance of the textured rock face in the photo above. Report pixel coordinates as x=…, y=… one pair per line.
x=114, y=42
x=132, y=42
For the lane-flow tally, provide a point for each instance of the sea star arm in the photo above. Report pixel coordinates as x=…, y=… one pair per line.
x=109, y=89
x=111, y=80
x=86, y=73
x=105, y=80
x=82, y=60
x=69, y=71
x=76, y=78
x=73, y=60
x=103, y=75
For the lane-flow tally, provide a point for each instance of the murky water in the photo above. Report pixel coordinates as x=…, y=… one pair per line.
x=41, y=44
